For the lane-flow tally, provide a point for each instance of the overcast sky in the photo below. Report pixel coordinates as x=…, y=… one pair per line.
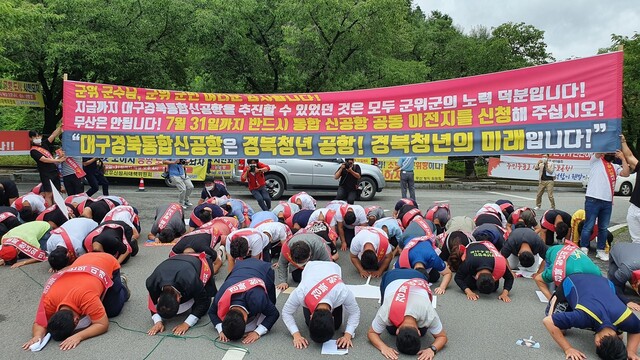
x=572, y=28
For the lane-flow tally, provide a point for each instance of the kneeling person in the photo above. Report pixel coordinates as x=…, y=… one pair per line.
x=371, y=252
x=323, y=295
x=482, y=268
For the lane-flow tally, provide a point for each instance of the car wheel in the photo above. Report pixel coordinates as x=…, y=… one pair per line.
x=368, y=188
x=275, y=186
x=626, y=189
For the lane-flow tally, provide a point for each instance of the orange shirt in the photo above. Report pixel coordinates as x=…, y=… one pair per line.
x=79, y=291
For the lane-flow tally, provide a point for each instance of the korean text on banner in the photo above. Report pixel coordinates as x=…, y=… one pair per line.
x=146, y=168
x=565, y=107
x=15, y=142
x=20, y=93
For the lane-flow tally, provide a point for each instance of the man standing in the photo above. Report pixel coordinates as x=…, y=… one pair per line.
x=322, y=294
x=253, y=174
x=178, y=176
x=405, y=165
x=349, y=173
x=409, y=320
x=633, y=214
x=42, y=152
x=598, y=202
x=546, y=179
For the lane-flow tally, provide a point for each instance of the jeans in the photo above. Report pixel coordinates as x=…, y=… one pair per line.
x=184, y=185
x=262, y=196
x=115, y=297
x=596, y=209
x=406, y=182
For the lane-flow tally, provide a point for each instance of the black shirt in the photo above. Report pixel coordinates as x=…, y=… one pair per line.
x=475, y=261
x=349, y=181
x=200, y=243
x=635, y=195
x=44, y=168
x=111, y=239
x=99, y=210
x=9, y=190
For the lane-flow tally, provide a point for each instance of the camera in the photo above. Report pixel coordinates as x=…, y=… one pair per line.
x=252, y=168
x=348, y=165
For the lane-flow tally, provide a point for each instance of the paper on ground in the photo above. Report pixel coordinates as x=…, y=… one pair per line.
x=234, y=354
x=57, y=198
x=365, y=291
x=434, y=301
x=525, y=273
x=40, y=344
x=331, y=348
x=287, y=291
x=541, y=297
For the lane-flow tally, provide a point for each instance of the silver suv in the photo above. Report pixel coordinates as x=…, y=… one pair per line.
x=290, y=174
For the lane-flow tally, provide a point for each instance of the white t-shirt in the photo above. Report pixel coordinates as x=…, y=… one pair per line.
x=491, y=208
x=598, y=186
x=313, y=273
x=277, y=230
x=361, y=216
x=37, y=202
x=280, y=208
x=314, y=216
x=308, y=202
x=418, y=306
x=256, y=239
x=78, y=229
x=367, y=235
x=121, y=213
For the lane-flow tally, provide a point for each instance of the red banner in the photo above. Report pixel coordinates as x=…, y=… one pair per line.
x=571, y=106
x=14, y=142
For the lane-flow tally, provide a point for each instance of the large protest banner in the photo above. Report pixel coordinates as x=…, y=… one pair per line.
x=148, y=168
x=14, y=142
x=565, y=107
x=20, y=93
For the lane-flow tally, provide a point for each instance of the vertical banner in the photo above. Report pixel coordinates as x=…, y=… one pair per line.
x=565, y=107
x=20, y=93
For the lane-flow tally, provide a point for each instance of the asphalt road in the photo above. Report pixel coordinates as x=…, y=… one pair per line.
x=486, y=329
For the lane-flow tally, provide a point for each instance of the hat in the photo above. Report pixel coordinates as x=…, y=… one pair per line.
x=8, y=253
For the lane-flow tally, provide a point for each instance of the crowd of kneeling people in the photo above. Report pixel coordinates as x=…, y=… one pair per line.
x=87, y=242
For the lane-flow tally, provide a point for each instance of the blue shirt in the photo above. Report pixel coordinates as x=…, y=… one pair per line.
x=424, y=253
x=176, y=169
x=406, y=163
x=393, y=228
x=594, y=305
x=261, y=216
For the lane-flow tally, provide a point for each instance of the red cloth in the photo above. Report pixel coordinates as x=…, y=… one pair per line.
x=256, y=180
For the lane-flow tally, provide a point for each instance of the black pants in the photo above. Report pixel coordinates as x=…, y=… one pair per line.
x=349, y=195
x=349, y=234
x=297, y=275
x=115, y=297
x=96, y=179
x=337, y=316
x=73, y=185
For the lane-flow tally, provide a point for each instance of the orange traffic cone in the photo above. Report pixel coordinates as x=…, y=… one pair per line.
x=141, y=185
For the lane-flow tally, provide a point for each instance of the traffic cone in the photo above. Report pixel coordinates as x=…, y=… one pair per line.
x=141, y=185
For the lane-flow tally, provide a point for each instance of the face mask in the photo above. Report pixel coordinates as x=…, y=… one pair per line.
x=37, y=141
x=209, y=188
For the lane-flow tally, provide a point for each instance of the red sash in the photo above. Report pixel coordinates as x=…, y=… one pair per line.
x=121, y=209
x=286, y=252
x=72, y=198
x=400, y=298
x=266, y=221
x=89, y=239
x=46, y=211
x=635, y=277
x=403, y=261
x=383, y=240
x=320, y=290
x=77, y=169
x=546, y=224
x=230, y=223
x=205, y=275
x=213, y=232
x=409, y=215
x=500, y=266
x=5, y=215
x=560, y=264
x=431, y=212
x=369, y=209
x=42, y=151
x=515, y=215
x=71, y=252
x=26, y=248
x=328, y=218
x=423, y=225
x=41, y=316
x=611, y=175
x=243, y=286
x=195, y=219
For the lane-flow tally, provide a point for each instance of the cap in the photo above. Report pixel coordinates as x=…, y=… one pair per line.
x=8, y=253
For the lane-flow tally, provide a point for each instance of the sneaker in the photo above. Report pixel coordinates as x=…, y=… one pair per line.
x=184, y=207
x=585, y=250
x=602, y=255
x=188, y=203
x=123, y=278
x=536, y=208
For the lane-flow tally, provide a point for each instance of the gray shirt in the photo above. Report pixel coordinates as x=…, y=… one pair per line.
x=319, y=252
x=524, y=235
x=176, y=222
x=625, y=258
x=66, y=169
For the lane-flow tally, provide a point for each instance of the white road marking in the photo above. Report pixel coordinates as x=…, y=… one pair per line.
x=510, y=195
x=234, y=354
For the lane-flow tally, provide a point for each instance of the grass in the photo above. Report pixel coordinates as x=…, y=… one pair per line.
x=17, y=160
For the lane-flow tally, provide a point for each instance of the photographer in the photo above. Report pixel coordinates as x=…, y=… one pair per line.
x=178, y=176
x=253, y=173
x=546, y=179
x=349, y=173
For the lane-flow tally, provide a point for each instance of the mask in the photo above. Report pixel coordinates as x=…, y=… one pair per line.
x=37, y=141
x=609, y=157
x=209, y=188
